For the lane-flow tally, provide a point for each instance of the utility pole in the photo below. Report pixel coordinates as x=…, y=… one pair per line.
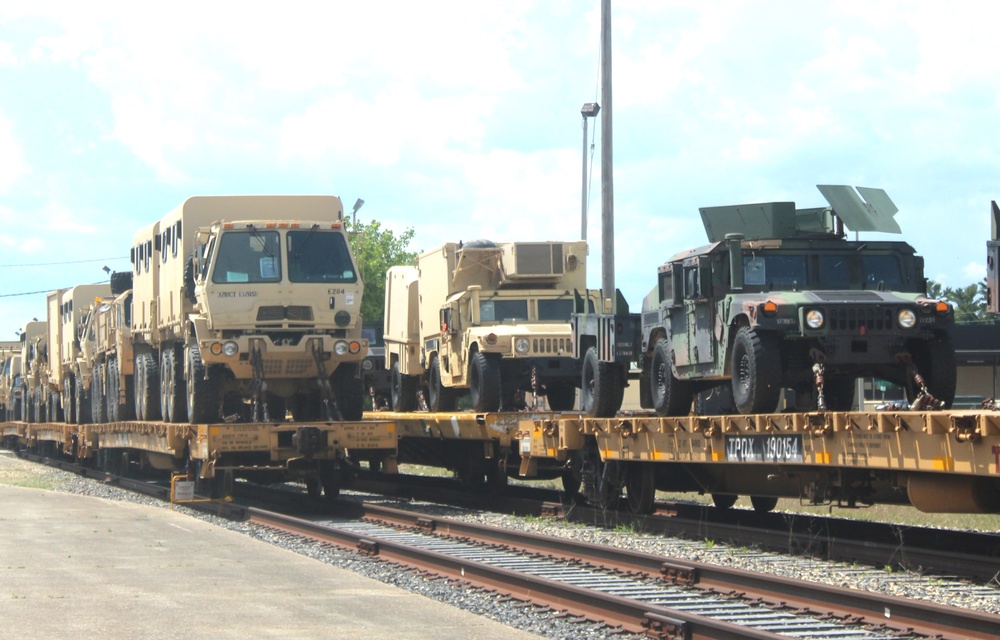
x=607, y=182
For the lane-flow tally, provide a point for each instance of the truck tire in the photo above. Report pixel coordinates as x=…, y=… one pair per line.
x=147, y=387
x=172, y=401
x=601, y=388
x=204, y=392
x=98, y=401
x=671, y=396
x=67, y=399
x=440, y=397
x=82, y=400
x=121, y=281
x=484, y=382
x=349, y=389
x=756, y=372
x=403, y=390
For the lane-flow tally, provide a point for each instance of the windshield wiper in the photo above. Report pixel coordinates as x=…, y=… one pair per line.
x=305, y=241
x=263, y=243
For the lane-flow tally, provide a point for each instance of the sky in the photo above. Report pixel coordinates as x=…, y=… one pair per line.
x=461, y=120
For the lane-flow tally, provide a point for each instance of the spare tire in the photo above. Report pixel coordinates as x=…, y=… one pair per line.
x=121, y=281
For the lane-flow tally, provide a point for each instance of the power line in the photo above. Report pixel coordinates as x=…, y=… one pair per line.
x=48, y=264
x=31, y=293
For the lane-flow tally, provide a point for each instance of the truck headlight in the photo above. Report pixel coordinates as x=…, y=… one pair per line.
x=814, y=319
x=230, y=348
x=341, y=348
x=906, y=318
x=521, y=345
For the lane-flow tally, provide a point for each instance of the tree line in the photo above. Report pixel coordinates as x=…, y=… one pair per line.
x=970, y=302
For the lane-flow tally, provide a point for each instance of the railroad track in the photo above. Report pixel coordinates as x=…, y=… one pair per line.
x=962, y=554
x=641, y=593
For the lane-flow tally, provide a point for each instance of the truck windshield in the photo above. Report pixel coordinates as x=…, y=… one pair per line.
x=319, y=256
x=247, y=256
x=500, y=310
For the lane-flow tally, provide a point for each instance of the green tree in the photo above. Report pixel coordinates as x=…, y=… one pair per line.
x=376, y=249
x=970, y=301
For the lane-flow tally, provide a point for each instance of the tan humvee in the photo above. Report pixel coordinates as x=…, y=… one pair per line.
x=10, y=381
x=490, y=318
x=34, y=370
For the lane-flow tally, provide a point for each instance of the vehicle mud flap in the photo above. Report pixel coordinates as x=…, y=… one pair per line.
x=308, y=441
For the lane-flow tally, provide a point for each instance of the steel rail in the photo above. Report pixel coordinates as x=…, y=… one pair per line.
x=925, y=618
x=615, y=611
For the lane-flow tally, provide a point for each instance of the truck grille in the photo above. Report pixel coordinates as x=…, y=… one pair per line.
x=871, y=318
x=552, y=346
x=279, y=313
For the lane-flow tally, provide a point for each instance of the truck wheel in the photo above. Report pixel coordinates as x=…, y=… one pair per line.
x=112, y=390
x=171, y=382
x=601, y=390
x=484, y=382
x=98, y=403
x=561, y=396
x=204, y=393
x=404, y=390
x=66, y=397
x=671, y=396
x=349, y=389
x=440, y=397
x=756, y=372
x=147, y=389
x=935, y=360
x=82, y=401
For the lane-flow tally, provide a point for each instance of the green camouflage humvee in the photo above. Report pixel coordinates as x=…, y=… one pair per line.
x=781, y=299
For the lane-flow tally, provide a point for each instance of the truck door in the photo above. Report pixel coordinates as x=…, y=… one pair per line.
x=699, y=310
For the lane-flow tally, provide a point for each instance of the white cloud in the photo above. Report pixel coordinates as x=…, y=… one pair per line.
x=975, y=271
x=7, y=57
x=12, y=164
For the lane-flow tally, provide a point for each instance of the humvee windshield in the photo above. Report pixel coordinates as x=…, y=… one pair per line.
x=835, y=271
x=500, y=310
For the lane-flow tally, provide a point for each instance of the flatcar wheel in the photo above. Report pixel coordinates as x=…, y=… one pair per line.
x=640, y=486
x=330, y=478
x=763, y=504
x=313, y=488
x=724, y=500
x=610, y=483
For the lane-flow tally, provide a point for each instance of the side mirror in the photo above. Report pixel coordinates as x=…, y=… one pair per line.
x=189, y=281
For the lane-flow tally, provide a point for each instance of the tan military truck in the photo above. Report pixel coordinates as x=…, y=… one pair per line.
x=488, y=318
x=34, y=370
x=10, y=381
x=248, y=306
x=66, y=309
x=104, y=391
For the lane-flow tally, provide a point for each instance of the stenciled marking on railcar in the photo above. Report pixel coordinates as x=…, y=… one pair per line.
x=764, y=448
